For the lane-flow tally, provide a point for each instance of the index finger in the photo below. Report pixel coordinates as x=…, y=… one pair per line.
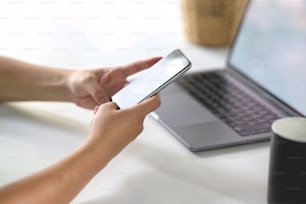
x=139, y=65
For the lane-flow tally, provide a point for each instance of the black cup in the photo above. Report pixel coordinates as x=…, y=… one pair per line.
x=287, y=170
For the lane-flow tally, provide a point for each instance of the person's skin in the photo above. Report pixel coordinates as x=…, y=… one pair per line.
x=20, y=81
x=61, y=182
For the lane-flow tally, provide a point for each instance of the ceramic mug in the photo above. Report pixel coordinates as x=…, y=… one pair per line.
x=287, y=170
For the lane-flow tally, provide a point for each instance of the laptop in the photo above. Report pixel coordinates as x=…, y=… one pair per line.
x=264, y=80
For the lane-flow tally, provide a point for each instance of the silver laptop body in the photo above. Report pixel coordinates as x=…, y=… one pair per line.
x=266, y=62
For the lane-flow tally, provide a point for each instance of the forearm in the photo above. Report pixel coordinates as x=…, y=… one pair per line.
x=61, y=182
x=20, y=81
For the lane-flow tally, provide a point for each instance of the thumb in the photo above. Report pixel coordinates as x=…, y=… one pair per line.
x=96, y=92
x=108, y=105
x=148, y=105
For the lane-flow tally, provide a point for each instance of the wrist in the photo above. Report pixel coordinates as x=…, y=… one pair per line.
x=61, y=84
x=94, y=158
x=56, y=85
x=49, y=85
x=100, y=146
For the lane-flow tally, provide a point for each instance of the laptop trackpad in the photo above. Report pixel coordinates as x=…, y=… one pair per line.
x=179, y=109
x=206, y=136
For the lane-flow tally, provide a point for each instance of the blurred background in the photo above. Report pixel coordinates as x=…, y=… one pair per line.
x=83, y=34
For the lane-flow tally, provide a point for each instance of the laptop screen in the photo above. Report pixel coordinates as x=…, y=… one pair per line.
x=271, y=49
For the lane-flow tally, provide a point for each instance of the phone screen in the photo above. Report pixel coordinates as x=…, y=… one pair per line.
x=151, y=81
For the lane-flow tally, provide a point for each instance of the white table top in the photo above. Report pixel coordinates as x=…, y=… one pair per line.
x=155, y=168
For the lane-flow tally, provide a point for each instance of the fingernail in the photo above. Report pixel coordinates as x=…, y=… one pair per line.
x=104, y=100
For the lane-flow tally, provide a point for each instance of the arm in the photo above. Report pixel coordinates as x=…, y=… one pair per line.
x=62, y=181
x=20, y=81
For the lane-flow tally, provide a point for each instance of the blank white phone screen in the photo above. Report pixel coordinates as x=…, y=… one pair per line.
x=145, y=83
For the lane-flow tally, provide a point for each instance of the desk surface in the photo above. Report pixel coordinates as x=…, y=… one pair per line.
x=155, y=168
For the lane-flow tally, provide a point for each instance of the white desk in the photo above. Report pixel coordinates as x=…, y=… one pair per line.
x=155, y=168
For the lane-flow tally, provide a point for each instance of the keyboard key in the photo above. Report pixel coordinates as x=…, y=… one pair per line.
x=237, y=109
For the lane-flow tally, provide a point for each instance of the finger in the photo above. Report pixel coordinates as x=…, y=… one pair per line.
x=96, y=109
x=109, y=105
x=113, y=88
x=112, y=81
x=97, y=92
x=148, y=105
x=86, y=102
x=139, y=65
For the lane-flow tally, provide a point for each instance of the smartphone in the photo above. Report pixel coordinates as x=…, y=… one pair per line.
x=151, y=81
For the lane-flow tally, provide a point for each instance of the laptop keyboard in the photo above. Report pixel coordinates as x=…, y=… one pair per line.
x=236, y=108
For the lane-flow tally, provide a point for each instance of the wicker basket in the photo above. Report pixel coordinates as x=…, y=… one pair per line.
x=212, y=22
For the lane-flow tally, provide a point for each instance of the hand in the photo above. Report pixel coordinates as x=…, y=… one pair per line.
x=114, y=129
x=91, y=88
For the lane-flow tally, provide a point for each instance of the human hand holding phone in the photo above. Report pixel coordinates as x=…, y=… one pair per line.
x=151, y=81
